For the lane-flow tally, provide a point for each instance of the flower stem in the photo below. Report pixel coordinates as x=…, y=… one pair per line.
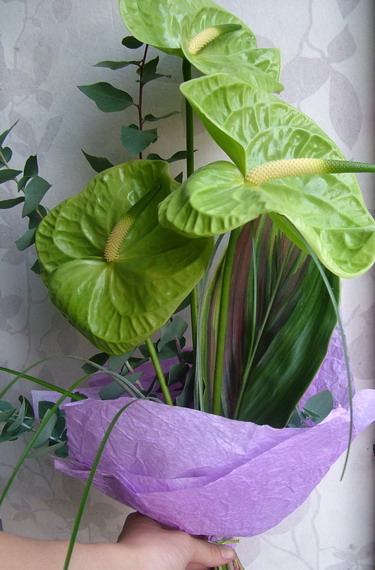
x=159, y=372
x=223, y=319
x=189, y=130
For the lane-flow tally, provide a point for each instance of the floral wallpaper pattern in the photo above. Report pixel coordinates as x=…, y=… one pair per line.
x=47, y=48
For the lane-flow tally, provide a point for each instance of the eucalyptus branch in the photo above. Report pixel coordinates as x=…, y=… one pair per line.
x=141, y=86
x=16, y=180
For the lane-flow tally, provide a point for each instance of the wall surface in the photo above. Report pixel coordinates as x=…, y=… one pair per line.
x=47, y=48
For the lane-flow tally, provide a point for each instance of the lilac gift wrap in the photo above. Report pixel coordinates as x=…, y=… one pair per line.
x=201, y=473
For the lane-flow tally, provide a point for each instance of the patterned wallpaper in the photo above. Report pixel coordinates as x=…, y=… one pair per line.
x=47, y=48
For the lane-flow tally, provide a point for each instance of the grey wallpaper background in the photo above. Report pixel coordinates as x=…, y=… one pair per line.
x=47, y=48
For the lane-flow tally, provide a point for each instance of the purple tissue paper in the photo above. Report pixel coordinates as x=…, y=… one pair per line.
x=209, y=475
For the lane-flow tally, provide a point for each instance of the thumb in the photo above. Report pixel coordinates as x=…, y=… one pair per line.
x=209, y=554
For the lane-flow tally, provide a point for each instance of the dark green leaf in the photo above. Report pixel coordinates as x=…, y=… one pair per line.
x=100, y=358
x=36, y=217
x=58, y=431
x=179, y=178
x=98, y=163
x=135, y=362
x=135, y=141
x=43, y=408
x=46, y=432
x=27, y=239
x=180, y=155
x=106, y=97
x=177, y=373
x=8, y=174
x=7, y=155
x=187, y=395
x=116, y=64
x=296, y=419
x=6, y=411
x=152, y=119
x=31, y=167
x=118, y=362
x=171, y=349
x=51, y=448
x=62, y=452
x=144, y=350
x=172, y=330
x=34, y=192
x=5, y=204
x=148, y=72
x=4, y=135
x=22, y=182
x=112, y=391
x=131, y=42
x=36, y=267
x=19, y=418
x=188, y=356
x=319, y=406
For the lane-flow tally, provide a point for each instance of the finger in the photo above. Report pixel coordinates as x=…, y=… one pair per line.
x=209, y=554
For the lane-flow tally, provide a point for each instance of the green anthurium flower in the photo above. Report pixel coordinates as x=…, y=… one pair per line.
x=256, y=129
x=159, y=23
x=109, y=266
x=216, y=41
x=211, y=38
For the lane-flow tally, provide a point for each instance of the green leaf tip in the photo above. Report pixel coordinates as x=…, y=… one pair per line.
x=200, y=40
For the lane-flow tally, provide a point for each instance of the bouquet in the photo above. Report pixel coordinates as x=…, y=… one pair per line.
x=254, y=245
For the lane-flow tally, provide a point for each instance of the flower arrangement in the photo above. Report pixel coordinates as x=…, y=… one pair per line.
x=124, y=256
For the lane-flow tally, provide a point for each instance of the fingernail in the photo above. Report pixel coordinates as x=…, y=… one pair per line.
x=227, y=553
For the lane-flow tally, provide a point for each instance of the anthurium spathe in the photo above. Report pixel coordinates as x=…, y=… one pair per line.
x=318, y=195
x=159, y=23
x=214, y=41
x=109, y=266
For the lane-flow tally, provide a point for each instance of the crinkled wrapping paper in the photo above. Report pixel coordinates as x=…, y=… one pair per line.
x=209, y=475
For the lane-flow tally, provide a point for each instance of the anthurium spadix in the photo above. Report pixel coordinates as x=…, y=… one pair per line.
x=255, y=129
x=109, y=266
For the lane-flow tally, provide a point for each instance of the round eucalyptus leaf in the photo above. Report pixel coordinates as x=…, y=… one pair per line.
x=118, y=303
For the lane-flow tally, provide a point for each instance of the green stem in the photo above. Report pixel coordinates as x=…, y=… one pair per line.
x=88, y=484
x=159, y=372
x=223, y=319
x=189, y=130
x=39, y=382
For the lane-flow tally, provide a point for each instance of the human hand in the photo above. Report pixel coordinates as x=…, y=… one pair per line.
x=155, y=547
